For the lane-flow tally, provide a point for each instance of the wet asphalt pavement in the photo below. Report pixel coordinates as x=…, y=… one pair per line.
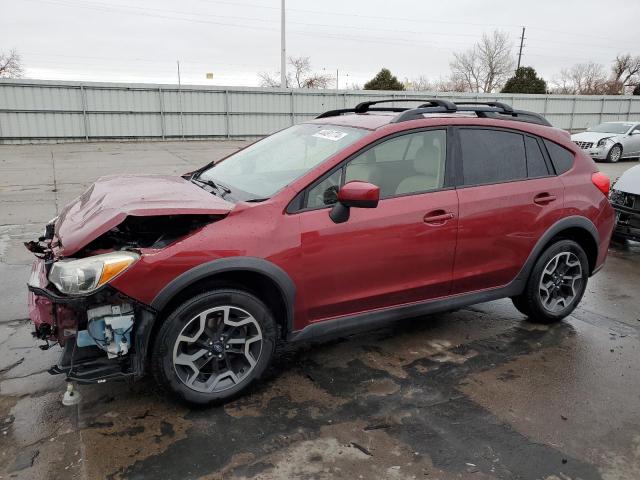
x=479, y=393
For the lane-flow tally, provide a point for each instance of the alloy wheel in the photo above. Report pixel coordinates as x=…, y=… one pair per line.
x=615, y=153
x=561, y=281
x=217, y=349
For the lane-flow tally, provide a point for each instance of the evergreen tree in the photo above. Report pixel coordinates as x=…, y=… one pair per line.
x=384, y=80
x=525, y=80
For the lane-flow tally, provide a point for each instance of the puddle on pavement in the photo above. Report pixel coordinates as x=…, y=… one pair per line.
x=431, y=396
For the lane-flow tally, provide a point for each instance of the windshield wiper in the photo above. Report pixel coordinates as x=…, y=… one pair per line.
x=258, y=199
x=221, y=188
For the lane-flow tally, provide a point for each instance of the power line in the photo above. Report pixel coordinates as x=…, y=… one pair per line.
x=144, y=11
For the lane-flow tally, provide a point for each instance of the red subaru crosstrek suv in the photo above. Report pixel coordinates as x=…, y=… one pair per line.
x=343, y=222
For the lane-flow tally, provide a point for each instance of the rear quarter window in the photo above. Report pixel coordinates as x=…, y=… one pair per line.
x=561, y=158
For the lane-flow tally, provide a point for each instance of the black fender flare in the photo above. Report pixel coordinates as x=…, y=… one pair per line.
x=575, y=221
x=231, y=264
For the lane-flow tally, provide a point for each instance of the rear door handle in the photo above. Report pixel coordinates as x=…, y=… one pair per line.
x=437, y=217
x=544, y=198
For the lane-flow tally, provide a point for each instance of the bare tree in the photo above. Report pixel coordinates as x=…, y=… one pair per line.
x=301, y=67
x=419, y=84
x=11, y=65
x=268, y=80
x=486, y=66
x=451, y=84
x=582, y=79
x=300, y=77
x=626, y=72
x=317, y=80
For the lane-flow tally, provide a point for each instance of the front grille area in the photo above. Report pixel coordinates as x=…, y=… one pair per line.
x=624, y=199
x=584, y=145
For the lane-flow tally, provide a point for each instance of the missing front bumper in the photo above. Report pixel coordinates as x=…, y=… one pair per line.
x=117, y=349
x=627, y=223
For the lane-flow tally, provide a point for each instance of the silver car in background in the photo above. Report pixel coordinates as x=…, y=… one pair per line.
x=610, y=141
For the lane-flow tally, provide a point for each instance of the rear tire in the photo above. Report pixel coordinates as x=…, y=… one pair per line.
x=213, y=347
x=556, y=283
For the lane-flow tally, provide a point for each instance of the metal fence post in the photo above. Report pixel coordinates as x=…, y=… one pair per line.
x=226, y=113
x=83, y=96
x=573, y=114
x=162, y=120
x=180, y=107
x=629, y=109
x=293, y=110
x=602, y=110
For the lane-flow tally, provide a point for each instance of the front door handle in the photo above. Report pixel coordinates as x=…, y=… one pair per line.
x=437, y=217
x=544, y=198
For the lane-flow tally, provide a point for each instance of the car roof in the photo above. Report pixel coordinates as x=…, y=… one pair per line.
x=369, y=121
x=383, y=121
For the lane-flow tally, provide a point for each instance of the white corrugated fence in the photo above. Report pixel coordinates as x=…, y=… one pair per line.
x=54, y=111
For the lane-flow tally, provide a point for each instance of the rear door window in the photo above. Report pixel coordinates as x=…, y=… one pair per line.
x=561, y=158
x=492, y=156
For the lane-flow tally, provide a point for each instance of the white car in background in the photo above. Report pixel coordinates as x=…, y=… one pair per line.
x=610, y=141
x=625, y=199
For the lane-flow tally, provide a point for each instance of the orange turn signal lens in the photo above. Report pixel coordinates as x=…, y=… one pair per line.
x=113, y=267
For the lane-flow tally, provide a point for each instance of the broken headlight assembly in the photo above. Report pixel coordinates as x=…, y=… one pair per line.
x=82, y=276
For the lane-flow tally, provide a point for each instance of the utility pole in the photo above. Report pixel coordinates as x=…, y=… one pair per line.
x=180, y=101
x=521, y=45
x=283, y=51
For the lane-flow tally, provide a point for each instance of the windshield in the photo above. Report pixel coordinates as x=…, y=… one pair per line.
x=262, y=169
x=611, y=128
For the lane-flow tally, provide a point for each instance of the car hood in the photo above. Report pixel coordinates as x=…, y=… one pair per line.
x=111, y=199
x=592, y=136
x=629, y=181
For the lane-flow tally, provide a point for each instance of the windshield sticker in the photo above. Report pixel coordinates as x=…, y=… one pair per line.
x=333, y=135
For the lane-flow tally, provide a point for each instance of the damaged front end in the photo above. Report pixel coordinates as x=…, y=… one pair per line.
x=103, y=333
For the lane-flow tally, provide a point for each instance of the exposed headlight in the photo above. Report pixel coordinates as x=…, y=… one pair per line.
x=616, y=196
x=78, y=277
x=604, y=141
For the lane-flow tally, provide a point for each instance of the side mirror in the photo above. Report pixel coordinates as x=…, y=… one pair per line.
x=354, y=194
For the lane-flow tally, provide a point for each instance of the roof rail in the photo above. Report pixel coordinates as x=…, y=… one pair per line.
x=503, y=106
x=497, y=110
x=365, y=107
x=434, y=102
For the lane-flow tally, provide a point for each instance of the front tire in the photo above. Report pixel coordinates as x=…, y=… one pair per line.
x=556, y=284
x=214, y=346
x=615, y=153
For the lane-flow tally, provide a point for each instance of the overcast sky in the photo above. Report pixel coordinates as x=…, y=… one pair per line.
x=141, y=40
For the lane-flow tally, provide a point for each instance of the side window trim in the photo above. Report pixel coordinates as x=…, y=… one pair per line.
x=547, y=157
x=449, y=175
x=547, y=160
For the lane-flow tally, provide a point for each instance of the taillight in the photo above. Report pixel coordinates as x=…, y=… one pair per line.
x=601, y=181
